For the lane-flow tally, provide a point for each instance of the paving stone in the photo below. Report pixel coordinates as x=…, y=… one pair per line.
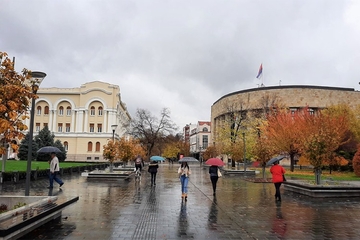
x=240, y=210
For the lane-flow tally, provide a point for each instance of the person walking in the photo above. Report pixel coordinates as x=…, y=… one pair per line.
x=184, y=173
x=277, y=173
x=213, y=171
x=153, y=166
x=54, y=170
x=139, y=162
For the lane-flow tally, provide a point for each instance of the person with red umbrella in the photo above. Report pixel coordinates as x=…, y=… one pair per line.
x=214, y=171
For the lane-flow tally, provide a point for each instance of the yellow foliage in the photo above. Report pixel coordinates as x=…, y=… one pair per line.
x=303, y=161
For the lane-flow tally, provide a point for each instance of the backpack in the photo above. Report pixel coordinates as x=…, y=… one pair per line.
x=138, y=161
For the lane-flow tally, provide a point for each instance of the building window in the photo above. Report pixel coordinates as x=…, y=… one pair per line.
x=46, y=110
x=68, y=111
x=92, y=111
x=46, y=125
x=37, y=128
x=205, y=141
x=67, y=129
x=60, y=127
x=88, y=158
x=100, y=110
x=97, y=158
x=38, y=110
x=99, y=127
x=66, y=146
x=205, y=129
x=89, y=146
x=97, y=147
x=91, y=127
x=61, y=111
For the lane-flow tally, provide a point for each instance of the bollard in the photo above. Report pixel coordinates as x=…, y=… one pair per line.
x=34, y=174
x=61, y=171
x=15, y=176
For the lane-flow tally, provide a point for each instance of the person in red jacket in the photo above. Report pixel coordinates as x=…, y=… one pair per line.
x=277, y=172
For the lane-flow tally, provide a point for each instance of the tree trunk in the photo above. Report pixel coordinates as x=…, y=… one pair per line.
x=292, y=161
x=317, y=176
x=263, y=171
x=111, y=167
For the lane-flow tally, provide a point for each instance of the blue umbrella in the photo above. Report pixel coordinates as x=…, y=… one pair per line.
x=157, y=158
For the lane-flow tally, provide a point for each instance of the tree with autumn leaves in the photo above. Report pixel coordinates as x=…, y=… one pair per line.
x=15, y=98
x=124, y=149
x=315, y=136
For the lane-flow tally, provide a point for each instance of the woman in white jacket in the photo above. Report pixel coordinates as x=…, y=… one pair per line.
x=184, y=172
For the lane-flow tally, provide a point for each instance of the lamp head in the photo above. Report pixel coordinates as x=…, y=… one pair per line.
x=35, y=80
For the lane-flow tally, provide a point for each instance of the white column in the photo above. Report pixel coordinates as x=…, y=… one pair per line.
x=86, y=122
x=72, y=124
x=111, y=121
x=79, y=123
x=54, y=120
x=50, y=124
x=105, y=123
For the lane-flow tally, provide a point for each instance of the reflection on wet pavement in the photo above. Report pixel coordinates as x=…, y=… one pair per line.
x=241, y=210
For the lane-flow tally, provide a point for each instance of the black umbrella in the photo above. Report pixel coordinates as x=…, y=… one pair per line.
x=188, y=159
x=275, y=159
x=49, y=149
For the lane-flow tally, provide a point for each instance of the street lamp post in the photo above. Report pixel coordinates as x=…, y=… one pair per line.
x=244, y=151
x=35, y=81
x=113, y=127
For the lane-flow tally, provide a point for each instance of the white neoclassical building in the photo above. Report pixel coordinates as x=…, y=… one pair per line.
x=82, y=118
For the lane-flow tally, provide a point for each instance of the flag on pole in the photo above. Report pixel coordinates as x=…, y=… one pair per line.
x=260, y=71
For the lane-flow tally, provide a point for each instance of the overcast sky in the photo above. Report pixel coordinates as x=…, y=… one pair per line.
x=184, y=55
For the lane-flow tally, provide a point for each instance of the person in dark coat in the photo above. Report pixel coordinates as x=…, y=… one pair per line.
x=213, y=171
x=153, y=166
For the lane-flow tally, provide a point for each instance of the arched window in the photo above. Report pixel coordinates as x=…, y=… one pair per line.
x=97, y=147
x=46, y=110
x=89, y=146
x=68, y=111
x=61, y=110
x=92, y=111
x=205, y=129
x=100, y=110
x=66, y=146
x=38, y=110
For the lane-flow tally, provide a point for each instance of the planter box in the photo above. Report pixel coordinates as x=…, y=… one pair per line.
x=109, y=175
x=329, y=189
x=37, y=211
x=247, y=173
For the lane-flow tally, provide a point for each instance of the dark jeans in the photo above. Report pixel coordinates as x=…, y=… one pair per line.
x=53, y=177
x=153, y=178
x=138, y=166
x=214, y=180
x=277, y=190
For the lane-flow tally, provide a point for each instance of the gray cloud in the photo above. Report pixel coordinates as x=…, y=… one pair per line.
x=184, y=54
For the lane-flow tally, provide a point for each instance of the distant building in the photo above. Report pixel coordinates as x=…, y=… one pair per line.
x=199, y=137
x=257, y=100
x=82, y=118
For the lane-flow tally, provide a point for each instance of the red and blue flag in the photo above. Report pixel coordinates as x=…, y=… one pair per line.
x=260, y=71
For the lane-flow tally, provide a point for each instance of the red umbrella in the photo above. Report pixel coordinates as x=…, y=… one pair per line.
x=215, y=162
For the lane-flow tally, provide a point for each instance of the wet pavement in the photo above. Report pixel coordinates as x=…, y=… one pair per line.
x=241, y=210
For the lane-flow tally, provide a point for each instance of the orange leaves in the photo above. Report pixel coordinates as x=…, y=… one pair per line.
x=15, y=99
x=123, y=149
